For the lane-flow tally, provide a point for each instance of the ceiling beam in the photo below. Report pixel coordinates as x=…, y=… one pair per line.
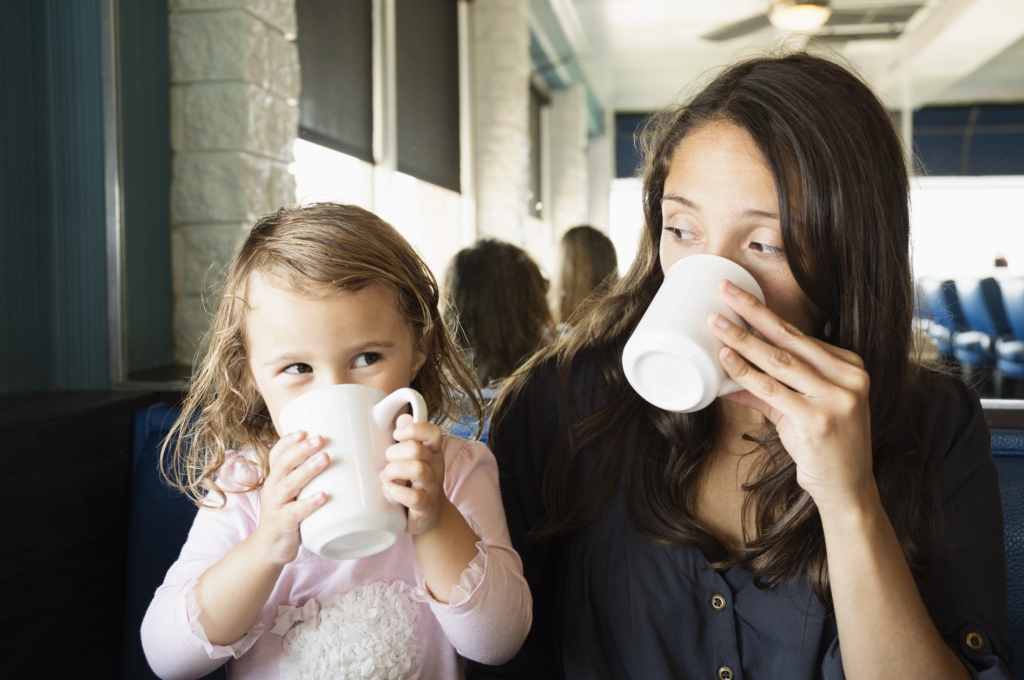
x=954, y=40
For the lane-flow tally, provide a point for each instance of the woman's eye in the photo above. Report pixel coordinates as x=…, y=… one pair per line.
x=766, y=249
x=366, y=359
x=296, y=369
x=681, y=234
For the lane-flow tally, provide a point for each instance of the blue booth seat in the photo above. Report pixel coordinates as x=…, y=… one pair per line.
x=1008, y=451
x=159, y=519
x=938, y=308
x=1010, y=352
x=981, y=304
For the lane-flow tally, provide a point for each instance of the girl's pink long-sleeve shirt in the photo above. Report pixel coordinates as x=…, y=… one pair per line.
x=487, y=618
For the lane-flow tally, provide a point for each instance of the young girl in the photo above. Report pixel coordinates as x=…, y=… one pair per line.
x=320, y=295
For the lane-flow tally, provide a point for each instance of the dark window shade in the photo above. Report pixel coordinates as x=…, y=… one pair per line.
x=335, y=39
x=427, y=64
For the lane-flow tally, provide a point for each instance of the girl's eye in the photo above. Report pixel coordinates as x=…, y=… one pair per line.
x=766, y=249
x=296, y=369
x=366, y=359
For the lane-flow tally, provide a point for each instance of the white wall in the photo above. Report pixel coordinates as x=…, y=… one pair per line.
x=960, y=224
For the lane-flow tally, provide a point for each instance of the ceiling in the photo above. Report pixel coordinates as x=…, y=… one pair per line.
x=643, y=54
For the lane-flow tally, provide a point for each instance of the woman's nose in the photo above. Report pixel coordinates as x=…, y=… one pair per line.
x=721, y=249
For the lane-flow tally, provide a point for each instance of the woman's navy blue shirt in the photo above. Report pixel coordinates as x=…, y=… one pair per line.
x=610, y=604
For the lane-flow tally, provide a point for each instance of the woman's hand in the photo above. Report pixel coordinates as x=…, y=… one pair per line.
x=815, y=394
x=294, y=461
x=418, y=460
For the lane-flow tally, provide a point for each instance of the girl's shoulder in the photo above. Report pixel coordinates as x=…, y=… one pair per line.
x=240, y=472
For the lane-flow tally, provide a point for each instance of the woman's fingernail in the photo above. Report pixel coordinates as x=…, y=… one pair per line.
x=731, y=288
x=296, y=436
x=325, y=458
x=720, y=320
x=728, y=355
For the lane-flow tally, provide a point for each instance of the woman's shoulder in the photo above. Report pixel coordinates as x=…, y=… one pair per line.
x=950, y=426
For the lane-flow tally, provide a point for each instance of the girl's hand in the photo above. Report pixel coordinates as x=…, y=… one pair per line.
x=815, y=394
x=294, y=460
x=416, y=458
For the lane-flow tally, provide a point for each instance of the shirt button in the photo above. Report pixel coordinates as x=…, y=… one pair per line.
x=718, y=602
x=975, y=641
x=725, y=673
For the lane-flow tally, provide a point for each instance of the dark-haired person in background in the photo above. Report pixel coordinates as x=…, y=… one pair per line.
x=497, y=304
x=838, y=518
x=587, y=264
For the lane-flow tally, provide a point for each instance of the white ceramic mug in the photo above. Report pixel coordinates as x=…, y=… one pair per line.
x=671, y=360
x=357, y=423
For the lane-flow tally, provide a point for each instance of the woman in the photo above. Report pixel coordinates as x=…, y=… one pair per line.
x=588, y=264
x=497, y=303
x=839, y=517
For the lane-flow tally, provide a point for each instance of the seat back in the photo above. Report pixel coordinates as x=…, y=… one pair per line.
x=159, y=519
x=1013, y=305
x=938, y=301
x=981, y=303
x=1008, y=451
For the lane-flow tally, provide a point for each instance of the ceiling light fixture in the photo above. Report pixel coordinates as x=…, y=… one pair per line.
x=799, y=16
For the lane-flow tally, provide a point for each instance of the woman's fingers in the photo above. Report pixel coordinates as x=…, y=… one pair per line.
x=837, y=366
x=779, y=364
x=766, y=394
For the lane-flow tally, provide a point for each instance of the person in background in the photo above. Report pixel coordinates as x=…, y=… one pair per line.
x=588, y=264
x=497, y=305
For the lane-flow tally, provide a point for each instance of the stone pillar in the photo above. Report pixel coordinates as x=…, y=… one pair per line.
x=500, y=95
x=234, y=117
x=569, y=183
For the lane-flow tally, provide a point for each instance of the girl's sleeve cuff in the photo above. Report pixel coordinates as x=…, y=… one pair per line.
x=469, y=582
x=234, y=650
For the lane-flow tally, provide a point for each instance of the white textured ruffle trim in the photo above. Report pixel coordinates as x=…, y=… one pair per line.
x=234, y=650
x=367, y=632
x=472, y=577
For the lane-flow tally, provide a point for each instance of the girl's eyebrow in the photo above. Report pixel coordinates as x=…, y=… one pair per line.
x=376, y=344
x=276, y=359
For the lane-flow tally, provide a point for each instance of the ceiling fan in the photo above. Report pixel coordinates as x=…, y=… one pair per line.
x=819, y=18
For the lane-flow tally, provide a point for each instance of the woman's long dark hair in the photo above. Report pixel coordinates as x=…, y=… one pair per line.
x=842, y=187
x=497, y=305
x=588, y=267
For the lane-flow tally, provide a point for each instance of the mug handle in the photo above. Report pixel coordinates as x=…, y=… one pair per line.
x=386, y=410
x=729, y=386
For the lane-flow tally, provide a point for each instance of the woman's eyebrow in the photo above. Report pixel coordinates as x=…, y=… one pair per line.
x=761, y=213
x=682, y=201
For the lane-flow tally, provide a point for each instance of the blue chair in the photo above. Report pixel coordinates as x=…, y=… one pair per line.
x=939, y=308
x=159, y=519
x=981, y=304
x=1008, y=451
x=1010, y=353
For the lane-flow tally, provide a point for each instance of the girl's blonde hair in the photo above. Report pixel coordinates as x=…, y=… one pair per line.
x=316, y=250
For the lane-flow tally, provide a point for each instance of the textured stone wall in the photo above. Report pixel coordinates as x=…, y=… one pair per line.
x=499, y=46
x=234, y=116
x=569, y=161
